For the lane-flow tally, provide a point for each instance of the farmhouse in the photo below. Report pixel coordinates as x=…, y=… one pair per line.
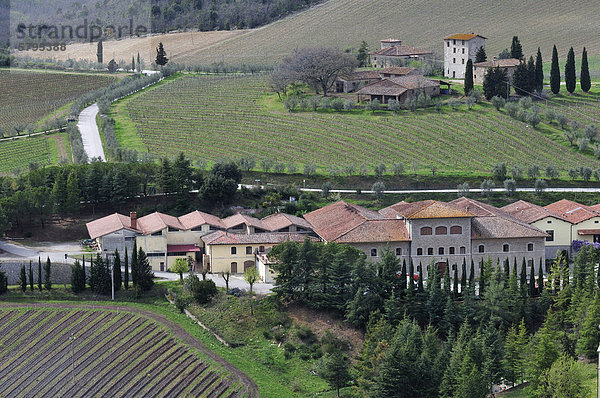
x=564, y=221
x=402, y=89
x=480, y=68
x=431, y=232
x=165, y=238
x=392, y=53
x=458, y=49
x=355, y=80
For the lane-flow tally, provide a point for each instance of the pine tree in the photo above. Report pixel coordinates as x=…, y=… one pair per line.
x=539, y=72
x=520, y=79
x=334, y=370
x=100, y=276
x=363, y=54
x=23, y=279
x=31, y=284
x=555, y=72
x=570, y=78
x=48, y=275
x=584, y=78
x=463, y=277
x=495, y=83
x=73, y=200
x=516, y=50
x=403, y=278
x=77, y=277
x=480, y=56
x=144, y=271
x=482, y=278
x=469, y=77
x=587, y=343
x=39, y=274
x=126, y=274
x=161, y=55
x=117, y=270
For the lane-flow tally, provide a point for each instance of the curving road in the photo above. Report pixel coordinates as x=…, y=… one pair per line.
x=92, y=144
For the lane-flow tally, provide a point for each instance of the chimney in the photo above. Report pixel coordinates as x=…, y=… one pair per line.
x=133, y=218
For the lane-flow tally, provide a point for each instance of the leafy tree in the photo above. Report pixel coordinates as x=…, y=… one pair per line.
x=378, y=189
x=539, y=72
x=374, y=105
x=555, y=72
x=498, y=102
x=77, y=277
x=516, y=50
x=23, y=279
x=570, y=78
x=48, y=275
x=565, y=378
x=181, y=265
x=31, y=276
x=480, y=56
x=584, y=78
x=202, y=290
x=161, y=55
x=221, y=183
x=334, y=369
x=363, y=54
x=251, y=276
x=469, y=77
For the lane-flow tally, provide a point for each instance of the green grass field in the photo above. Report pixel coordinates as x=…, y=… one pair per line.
x=345, y=23
x=230, y=117
x=29, y=97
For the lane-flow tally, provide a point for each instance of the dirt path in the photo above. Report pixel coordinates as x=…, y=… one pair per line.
x=250, y=386
x=60, y=147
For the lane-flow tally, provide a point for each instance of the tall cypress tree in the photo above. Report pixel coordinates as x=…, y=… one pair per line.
x=39, y=274
x=139, y=63
x=555, y=72
x=117, y=270
x=134, y=264
x=23, y=279
x=31, y=276
x=482, y=277
x=472, y=276
x=584, y=79
x=531, y=74
x=539, y=72
x=463, y=277
x=132, y=63
x=506, y=272
x=411, y=277
x=403, y=280
x=100, y=52
x=570, y=78
x=455, y=282
x=420, y=288
x=469, y=77
x=480, y=56
x=48, y=274
x=516, y=50
x=540, y=278
x=523, y=282
x=532, y=291
x=126, y=275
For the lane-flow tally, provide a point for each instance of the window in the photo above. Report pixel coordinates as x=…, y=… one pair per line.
x=463, y=50
x=463, y=61
x=530, y=247
x=596, y=222
x=453, y=60
x=234, y=250
x=481, y=248
x=451, y=250
x=474, y=76
x=261, y=249
x=373, y=252
x=419, y=251
x=248, y=249
x=398, y=251
x=462, y=42
x=213, y=228
x=505, y=248
x=441, y=230
x=551, y=237
x=129, y=238
x=430, y=251
x=456, y=230
x=448, y=43
x=454, y=42
x=462, y=250
x=549, y=221
x=454, y=50
x=155, y=254
x=426, y=231
x=441, y=251
x=157, y=233
x=239, y=226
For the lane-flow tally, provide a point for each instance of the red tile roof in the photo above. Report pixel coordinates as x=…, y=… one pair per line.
x=397, y=70
x=224, y=238
x=572, y=211
x=376, y=231
x=382, y=87
x=108, y=224
x=238, y=219
x=198, y=218
x=529, y=212
x=424, y=209
x=595, y=207
x=463, y=36
x=158, y=221
x=334, y=220
x=588, y=232
x=413, y=82
x=278, y=221
x=400, y=51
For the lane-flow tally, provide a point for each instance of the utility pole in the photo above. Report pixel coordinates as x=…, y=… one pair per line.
x=112, y=280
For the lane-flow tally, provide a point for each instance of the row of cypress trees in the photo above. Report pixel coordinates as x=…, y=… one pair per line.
x=570, y=72
x=47, y=276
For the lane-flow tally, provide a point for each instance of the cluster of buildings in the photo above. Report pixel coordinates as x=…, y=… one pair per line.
x=425, y=232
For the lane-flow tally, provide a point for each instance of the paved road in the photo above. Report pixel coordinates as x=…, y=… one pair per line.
x=92, y=144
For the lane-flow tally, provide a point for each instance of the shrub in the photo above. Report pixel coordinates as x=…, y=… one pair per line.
x=394, y=106
x=590, y=132
x=454, y=104
x=289, y=347
x=313, y=103
x=203, y=290
x=181, y=302
x=337, y=104
x=463, y=189
x=511, y=186
x=486, y=187
x=512, y=109
x=236, y=292
x=292, y=168
x=291, y=103
x=306, y=335
x=378, y=188
x=310, y=169
x=562, y=120
x=498, y=102
x=470, y=102
x=540, y=186
x=279, y=167
x=349, y=105
x=525, y=102
x=325, y=188
x=583, y=143
x=374, y=105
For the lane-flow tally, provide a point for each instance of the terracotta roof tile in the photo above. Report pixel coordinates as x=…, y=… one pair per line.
x=238, y=219
x=278, y=221
x=424, y=209
x=413, y=82
x=572, y=211
x=224, y=238
x=157, y=221
x=382, y=87
x=500, y=227
x=198, y=218
x=376, y=231
x=397, y=70
x=529, y=212
x=362, y=75
x=400, y=51
x=463, y=36
x=108, y=224
x=595, y=207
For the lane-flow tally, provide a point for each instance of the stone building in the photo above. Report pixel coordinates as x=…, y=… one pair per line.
x=480, y=68
x=458, y=49
x=393, y=53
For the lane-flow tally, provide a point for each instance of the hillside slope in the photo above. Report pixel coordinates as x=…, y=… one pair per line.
x=420, y=23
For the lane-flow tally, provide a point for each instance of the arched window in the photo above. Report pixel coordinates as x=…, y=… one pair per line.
x=462, y=250
x=451, y=250
x=455, y=230
x=441, y=230
x=425, y=230
x=440, y=250
x=419, y=251
x=481, y=248
x=530, y=247
x=233, y=250
x=430, y=251
x=248, y=249
x=373, y=252
x=505, y=248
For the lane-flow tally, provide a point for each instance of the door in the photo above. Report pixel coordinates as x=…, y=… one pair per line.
x=162, y=266
x=234, y=268
x=248, y=264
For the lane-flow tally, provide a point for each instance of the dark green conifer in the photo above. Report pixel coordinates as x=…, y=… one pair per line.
x=570, y=78
x=555, y=72
x=469, y=77
x=31, y=284
x=584, y=78
x=48, y=275
x=23, y=279
x=126, y=274
x=539, y=72
x=516, y=50
x=39, y=274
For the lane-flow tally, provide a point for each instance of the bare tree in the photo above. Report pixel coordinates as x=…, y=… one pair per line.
x=319, y=67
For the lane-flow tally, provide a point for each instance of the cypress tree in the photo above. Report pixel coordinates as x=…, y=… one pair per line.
x=31, y=276
x=540, y=278
x=584, y=78
x=117, y=270
x=472, y=276
x=132, y=63
x=447, y=279
x=126, y=275
x=48, y=274
x=555, y=72
x=100, y=276
x=463, y=277
x=23, y=278
x=520, y=79
x=469, y=77
x=523, y=283
x=531, y=73
x=411, y=278
x=144, y=271
x=539, y=72
x=73, y=199
x=455, y=282
x=3, y=281
x=77, y=277
x=516, y=50
x=570, y=79
x=532, y=292
x=403, y=280
x=420, y=288
x=506, y=272
x=84, y=277
x=99, y=52
x=480, y=56
x=481, y=278
x=39, y=274
x=139, y=63
x=134, y=264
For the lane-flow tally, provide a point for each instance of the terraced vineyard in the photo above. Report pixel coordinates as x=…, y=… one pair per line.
x=19, y=153
x=226, y=117
x=26, y=97
x=55, y=352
